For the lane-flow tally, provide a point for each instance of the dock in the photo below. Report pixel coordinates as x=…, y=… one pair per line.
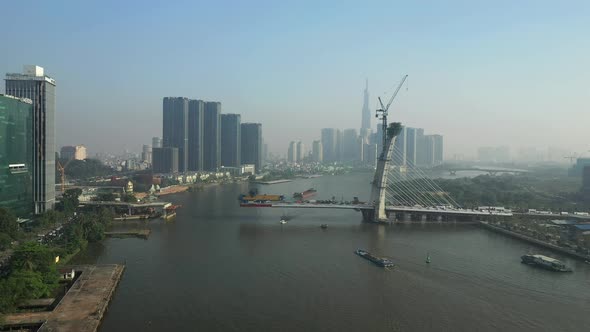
x=141, y=233
x=538, y=242
x=83, y=306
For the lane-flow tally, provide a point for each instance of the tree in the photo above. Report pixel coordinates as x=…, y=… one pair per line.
x=129, y=198
x=70, y=200
x=50, y=217
x=105, y=197
x=33, y=256
x=8, y=223
x=5, y=241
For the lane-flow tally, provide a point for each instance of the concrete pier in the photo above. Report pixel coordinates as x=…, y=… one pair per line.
x=83, y=306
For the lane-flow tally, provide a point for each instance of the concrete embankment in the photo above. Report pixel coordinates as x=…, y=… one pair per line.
x=534, y=241
x=83, y=306
x=142, y=233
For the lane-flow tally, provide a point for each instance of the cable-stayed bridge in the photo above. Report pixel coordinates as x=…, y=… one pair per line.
x=401, y=191
x=398, y=187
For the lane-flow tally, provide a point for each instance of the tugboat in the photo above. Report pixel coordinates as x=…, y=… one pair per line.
x=383, y=262
x=283, y=221
x=324, y=226
x=545, y=262
x=427, y=258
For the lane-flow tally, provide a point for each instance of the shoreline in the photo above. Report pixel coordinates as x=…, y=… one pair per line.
x=525, y=238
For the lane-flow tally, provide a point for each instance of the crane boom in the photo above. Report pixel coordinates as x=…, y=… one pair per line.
x=395, y=93
x=382, y=115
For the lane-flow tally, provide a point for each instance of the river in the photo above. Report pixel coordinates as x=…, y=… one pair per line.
x=219, y=267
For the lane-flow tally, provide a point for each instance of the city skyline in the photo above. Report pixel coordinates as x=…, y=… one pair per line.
x=455, y=58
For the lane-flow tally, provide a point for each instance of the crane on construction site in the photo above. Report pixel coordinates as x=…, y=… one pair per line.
x=383, y=110
x=62, y=172
x=571, y=157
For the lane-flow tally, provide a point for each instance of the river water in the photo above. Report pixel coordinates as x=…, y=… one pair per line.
x=220, y=267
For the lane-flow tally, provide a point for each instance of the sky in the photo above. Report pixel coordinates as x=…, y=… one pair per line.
x=513, y=73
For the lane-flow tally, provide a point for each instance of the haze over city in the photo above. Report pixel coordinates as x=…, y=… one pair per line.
x=498, y=74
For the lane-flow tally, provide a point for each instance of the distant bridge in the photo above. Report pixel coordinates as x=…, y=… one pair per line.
x=490, y=171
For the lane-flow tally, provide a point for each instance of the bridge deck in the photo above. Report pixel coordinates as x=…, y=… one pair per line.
x=407, y=209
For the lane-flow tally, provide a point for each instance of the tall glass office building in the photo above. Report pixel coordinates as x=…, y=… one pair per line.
x=16, y=155
x=35, y=85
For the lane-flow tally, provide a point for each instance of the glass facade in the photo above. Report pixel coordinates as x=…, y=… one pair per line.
x=41, y=90
x=16, y=155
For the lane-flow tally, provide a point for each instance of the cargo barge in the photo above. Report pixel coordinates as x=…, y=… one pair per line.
x=545, y=262
x=383, y=262
x=305, y=195
x=255, y=204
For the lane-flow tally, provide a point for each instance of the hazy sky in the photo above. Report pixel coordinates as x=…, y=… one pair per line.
x=497, y=73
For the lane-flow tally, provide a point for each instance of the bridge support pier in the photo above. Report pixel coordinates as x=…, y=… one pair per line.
x=368, y=215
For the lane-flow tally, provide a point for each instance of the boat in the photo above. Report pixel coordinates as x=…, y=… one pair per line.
x=427, y=258
x=379, y=261
x=324, y=226
x=265, y=197
x=283, y=221
x=305, y=195
x=545, y=262
x=255, y=204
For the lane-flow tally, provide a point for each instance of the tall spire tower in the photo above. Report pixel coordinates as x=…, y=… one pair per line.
x=366, y=120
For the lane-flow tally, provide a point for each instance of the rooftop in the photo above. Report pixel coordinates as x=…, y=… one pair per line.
x=24, y=100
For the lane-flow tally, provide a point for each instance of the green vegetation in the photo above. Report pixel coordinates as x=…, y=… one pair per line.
x=83, y=169
x=516, y=191
x=8, y=224
x=32, y=274
x=32, y=271
x=105, y=197
x=129, y=198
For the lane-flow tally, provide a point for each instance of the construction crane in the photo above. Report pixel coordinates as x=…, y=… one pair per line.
x=62, y=172
x=571, y=157
x=383, y=110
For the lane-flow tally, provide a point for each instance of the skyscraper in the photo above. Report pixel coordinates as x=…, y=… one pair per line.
x=165, y=160
x=196, y=109
x=329, y=144
x=350, y=145
x=35, y=85
x=175, y=128
x=317, y=151
x=300, y=151
x=339, y=145
x=430, y=150
x=411, y=146
x=438, y=149
x=77, y=152
x=252, y=144
x=420, y=147
x=156, y=142
x=292, y=152
x=399, y=154
x=212, y=136
x=16, y=155
x=366, y=120
x=230, y=140
x=146, y=153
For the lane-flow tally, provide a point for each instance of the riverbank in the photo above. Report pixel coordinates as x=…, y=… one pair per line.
x=544, y=244
x=272, y=182
x=83, y=306
x=141, y=233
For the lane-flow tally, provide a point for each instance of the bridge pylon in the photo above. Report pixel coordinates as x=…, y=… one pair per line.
x=379, y=186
